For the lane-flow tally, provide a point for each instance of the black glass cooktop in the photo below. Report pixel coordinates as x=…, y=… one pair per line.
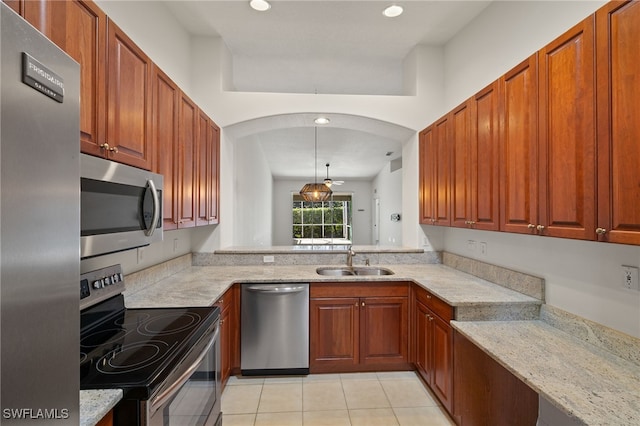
x=136, y=349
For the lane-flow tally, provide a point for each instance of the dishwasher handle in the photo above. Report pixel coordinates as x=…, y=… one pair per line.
x=276, y=289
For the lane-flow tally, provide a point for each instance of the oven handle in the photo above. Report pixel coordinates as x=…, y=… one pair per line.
x=161, y=399
x=156, y=209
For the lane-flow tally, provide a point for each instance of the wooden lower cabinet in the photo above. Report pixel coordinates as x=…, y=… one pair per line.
x=107, y=420
x=434, y=345
x=229, y=304
x=359, y=327
x=486, y=393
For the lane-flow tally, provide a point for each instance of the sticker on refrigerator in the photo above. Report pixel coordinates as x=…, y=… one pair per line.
x=41, y=78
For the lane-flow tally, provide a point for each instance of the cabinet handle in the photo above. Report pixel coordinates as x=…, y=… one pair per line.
x=531, y=226
x=220, y=302
x=362, y=303
x=601, y=231
x=430, y=318
x=114, y=150
x=540, y=228
x=221, y=322
x=104, y=146
x=428, y=296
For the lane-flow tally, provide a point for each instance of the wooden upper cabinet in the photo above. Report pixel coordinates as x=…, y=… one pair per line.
x=214, y=174
x=165, y=102
x=79, y=28
x=435, y=173
x=208, y=170
x=187, y=164
x=426, y=176
x=461, y=165
x=16, y=5
x=618, y=62
x=567, y=134
x=519, y=148
x=485, y=158
x=128, y=100
x=441, y=162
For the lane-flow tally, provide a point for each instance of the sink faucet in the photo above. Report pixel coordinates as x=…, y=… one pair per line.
x=350, y=255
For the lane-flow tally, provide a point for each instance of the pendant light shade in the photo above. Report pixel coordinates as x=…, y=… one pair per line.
x=315, y=191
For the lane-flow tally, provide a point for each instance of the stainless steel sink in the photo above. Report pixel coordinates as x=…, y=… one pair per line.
x=356, y=270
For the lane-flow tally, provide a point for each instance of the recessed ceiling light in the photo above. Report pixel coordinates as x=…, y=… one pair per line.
x=393, y=11
x=321, y=120
x=260, y=5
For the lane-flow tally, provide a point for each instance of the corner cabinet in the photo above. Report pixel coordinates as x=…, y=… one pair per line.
x=359, y=327
x=434, y=344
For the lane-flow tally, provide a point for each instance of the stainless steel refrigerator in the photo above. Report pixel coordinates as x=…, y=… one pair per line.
x=39, y=228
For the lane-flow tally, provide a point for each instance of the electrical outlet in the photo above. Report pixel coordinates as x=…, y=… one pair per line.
x=140, y=254
x=471, y=245
x=175, y=245
x=630, y=277
x=268, y=259
x=483, y=248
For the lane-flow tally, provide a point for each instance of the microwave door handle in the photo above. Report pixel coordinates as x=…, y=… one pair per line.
x=156, y=209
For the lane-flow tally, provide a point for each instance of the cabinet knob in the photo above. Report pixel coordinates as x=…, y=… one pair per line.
x=114, y=150
x=428, y=296
x=540, y=228
x=601, y=231
x=362, y=303
x=104, y=146
x=531, y=226
x=430, y=317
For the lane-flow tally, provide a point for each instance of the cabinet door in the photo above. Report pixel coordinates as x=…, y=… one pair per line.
x=79, y=28
x=461, y=166
x=334, y=333
x=16, y=5
x=518, y=148
x=441, y=163
x=165, y=98
x=427, y=153
x=423, y=337
x=203, y=148
x=567, y=134
x=225, y=345
x=485, y=155
x=618, y=38
x=213, y=178
x=384, y=330
x=187, y=166
x=128, y=100
x=442, y=361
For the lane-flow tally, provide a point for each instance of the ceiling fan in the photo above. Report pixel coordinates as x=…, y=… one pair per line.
x=328, y=181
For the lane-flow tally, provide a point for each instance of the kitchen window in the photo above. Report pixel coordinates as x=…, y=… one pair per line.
x=325, y=222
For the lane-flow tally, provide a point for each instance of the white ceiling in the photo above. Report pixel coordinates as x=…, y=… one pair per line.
x=332, y=47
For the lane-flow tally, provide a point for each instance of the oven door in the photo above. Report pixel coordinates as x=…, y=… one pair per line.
x=192, y=396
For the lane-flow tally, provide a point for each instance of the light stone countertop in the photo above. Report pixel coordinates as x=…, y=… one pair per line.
x=95, y=404
x=591, y=385
x=203, y=285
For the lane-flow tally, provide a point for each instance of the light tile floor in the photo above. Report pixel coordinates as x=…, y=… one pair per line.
x=391, y=398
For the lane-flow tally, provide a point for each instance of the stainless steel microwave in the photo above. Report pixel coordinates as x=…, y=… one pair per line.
x=120, y=207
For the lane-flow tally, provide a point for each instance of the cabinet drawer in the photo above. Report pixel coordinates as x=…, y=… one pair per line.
x=439, y=307
x=226, y=300
x=363, y=289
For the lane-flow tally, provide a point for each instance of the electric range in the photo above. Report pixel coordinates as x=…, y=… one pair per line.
x=166, y=360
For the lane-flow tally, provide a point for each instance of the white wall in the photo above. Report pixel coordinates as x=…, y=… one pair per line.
x=387, y=187
x=283, y=218
x=253, y=210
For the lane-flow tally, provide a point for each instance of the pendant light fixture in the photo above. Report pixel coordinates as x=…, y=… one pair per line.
x=315, y=191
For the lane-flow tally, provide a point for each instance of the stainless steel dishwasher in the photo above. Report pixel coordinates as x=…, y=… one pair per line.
x=274, y=329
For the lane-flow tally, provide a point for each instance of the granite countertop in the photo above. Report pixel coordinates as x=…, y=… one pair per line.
x=95, y=404
x=203, y=285
x=589, y=384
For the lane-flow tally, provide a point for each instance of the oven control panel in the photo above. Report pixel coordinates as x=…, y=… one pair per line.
x=98, y=285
